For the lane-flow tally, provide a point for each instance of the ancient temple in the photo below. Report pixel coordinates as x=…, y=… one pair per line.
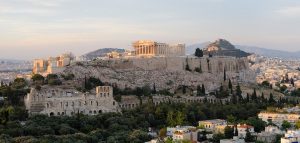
x=152, y=48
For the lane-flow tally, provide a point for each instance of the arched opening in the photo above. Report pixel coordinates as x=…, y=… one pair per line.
x=51, y=114
x=100, y=111
x=58, y=113
x=95, y=112
x=114, y=103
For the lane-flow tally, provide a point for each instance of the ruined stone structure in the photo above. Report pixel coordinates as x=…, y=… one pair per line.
x=52, y=64
x=152, y=48
x=63, y=101
x=131, y=102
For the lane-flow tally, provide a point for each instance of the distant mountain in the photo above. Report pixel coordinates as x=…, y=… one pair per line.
x=222, y=47
x=250, y=49
x=101, y=53
x=269, y=52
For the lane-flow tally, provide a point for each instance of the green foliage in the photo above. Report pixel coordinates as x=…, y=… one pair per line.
x=265, y=83
x=162, y=133
x=249, y=137
x=217, y=137
x=53, y=79
x=228, y=132
x=297, y=125
x=258, y=124
x=68, y=76
x=285, y=125
x=198, y=53
x=19, y=83
x=37, y=78
x=283, y=88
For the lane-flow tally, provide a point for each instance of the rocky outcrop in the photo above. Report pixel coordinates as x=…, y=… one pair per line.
x=223, y=47
x=165, y=72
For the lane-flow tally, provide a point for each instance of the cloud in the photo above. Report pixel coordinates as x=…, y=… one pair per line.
x=291, y=11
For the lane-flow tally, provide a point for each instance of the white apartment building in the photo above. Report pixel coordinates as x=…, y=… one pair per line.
x=278, y=118
x=211, y=125
x=291, y=136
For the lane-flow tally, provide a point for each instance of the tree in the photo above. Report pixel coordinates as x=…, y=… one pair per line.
x=229, y=84
x=162, y=133
x=283, y=88
x=239, y=92
x=217, y=137
x=285, y=125
x=297, y=125
x=254, y=95
x=154, y=89
x=203, y=89
x=225, y=74
x=19, y=83
x=37, y=78
x=228, y=132
x=198, y=53
x=249, y=137
x=199, y=90
x=265, y=84
x=271, y=99
x=231, y=119
x=258, y=124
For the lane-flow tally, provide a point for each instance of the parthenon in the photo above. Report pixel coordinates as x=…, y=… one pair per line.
x=152, y=48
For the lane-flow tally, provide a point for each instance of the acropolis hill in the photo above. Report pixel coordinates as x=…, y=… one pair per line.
x=165, y=72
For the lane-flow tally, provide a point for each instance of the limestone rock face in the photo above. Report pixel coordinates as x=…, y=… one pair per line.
x=165, y=72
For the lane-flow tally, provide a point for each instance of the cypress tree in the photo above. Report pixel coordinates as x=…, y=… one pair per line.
x=203, y=89
x=229, y=84
x=199, y=90
x=225, y=74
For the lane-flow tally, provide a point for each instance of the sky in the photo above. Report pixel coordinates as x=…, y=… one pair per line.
x=40, y=28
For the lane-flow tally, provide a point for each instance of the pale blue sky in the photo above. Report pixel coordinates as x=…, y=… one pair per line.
x=38, y=28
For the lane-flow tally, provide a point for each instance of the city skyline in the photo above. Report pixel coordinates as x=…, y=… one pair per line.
x=36, y=28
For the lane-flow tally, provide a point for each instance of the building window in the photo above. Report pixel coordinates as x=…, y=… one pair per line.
x=51, y=114
x=114, y=103
x=97, y=103
x=100, y=111
x=62, y=113
x=91, y=102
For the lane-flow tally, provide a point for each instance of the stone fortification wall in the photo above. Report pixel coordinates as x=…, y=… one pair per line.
x=209, y=65
x=165, y=72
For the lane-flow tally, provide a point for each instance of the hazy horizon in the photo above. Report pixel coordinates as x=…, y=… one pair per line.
x=41, y=28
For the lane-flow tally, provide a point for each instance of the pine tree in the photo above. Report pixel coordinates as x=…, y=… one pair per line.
x=198, y=53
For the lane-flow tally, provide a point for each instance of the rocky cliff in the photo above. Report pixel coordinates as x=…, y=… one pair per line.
x=165, y=72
